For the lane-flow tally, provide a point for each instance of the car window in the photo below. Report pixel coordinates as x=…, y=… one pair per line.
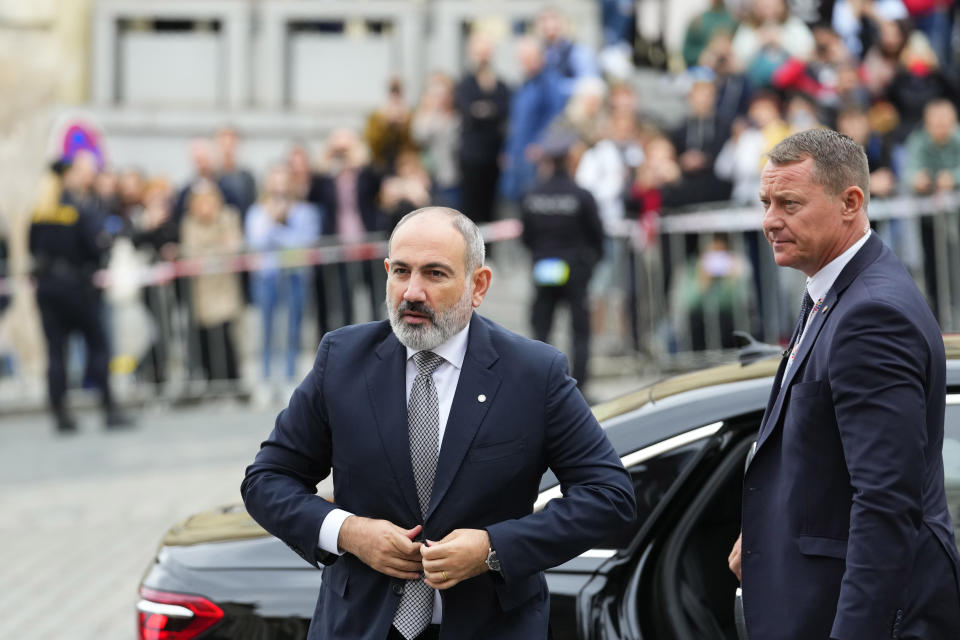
x=651, y=480
x=951, y=463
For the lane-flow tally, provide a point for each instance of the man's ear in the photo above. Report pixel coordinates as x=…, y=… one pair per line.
x=853, y=200
x=386, y=265
x=481, y=284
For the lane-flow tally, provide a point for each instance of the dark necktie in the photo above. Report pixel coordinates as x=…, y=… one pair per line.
x=423, y=421
x=791, y=352
x=805, y=307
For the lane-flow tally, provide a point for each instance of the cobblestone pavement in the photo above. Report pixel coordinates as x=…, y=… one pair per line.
x=83, y=515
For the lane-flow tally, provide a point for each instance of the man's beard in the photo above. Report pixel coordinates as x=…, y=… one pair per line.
x=441, y=326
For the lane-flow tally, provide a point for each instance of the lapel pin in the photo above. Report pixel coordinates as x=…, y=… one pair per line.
x=481, y=398
x=824, y=309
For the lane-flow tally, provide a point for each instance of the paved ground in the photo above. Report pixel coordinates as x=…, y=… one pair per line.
x=82, y=515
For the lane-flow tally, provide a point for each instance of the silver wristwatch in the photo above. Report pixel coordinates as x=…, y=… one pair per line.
x=493, y=562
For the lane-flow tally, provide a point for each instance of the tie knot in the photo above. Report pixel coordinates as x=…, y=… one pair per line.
x=427, y=362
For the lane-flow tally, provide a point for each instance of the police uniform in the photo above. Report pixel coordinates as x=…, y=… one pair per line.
x=562, y=229
x=67, y=248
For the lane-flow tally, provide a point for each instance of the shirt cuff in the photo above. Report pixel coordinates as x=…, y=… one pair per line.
x=330, y=531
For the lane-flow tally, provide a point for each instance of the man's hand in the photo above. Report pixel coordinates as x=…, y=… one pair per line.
x=461, y=555
x=733, y=560
x=383, y=546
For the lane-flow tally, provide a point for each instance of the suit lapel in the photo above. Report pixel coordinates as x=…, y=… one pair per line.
x=865, y=256
x=806, y=345
x=386, y=385
x=468, y=410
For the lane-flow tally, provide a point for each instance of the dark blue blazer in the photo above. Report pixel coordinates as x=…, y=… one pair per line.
x=846, y=532
x=515, y=413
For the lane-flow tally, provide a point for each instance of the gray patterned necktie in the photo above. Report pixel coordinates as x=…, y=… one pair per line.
x=423, y=421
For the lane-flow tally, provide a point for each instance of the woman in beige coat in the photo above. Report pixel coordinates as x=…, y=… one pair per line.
x=210, y=228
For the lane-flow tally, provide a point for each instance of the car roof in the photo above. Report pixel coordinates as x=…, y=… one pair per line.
x=723, y=374
x=233, y=523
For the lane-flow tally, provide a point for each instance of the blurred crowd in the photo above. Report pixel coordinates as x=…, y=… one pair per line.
x=881, y=71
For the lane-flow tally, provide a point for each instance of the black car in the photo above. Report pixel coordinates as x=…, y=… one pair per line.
x=219, y=575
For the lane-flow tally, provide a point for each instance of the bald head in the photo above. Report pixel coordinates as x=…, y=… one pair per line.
x=474, y=253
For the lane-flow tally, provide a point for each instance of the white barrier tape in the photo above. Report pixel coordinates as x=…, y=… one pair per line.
x=165, y=272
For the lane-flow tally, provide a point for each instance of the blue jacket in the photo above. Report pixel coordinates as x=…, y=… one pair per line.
x=349, y=416
x=846, y=532
x=532, y=108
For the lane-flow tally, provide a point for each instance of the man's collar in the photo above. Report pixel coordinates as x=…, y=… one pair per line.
x=453, y=350
x=818, y=285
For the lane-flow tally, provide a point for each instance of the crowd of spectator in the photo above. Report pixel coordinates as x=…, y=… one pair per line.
x=880, y=71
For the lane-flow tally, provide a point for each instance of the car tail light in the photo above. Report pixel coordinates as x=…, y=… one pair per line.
x=174, y=616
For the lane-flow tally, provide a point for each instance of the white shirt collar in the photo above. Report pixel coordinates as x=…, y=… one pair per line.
x=818, y=285
x=454, y=350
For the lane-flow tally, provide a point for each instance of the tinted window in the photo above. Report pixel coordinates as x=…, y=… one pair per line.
x=951, y=463
x=651, y=480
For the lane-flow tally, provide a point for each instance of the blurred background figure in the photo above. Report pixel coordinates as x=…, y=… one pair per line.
x=347, y=194
x=203, y=159
x=156, y=235
x=741, y=159
x=562, y=230
x=236, y=182
x=387, y=131
x=280, y=221
x=68, y=245
x=568, y=60
x=859, y=22
x=408, y=188
x=702, y=28
x=533, y=106
x=697, y=141
x=918, y=80
x=933, y=151
x=768, y=37
x=709, y=295
x=131, y=188
x=934, y=19
x=211, y=228
x=483, y=101
x=932, y=166
x=436, y=131
x=855, y=124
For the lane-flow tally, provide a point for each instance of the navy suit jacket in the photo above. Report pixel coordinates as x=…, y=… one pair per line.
x=846, y=532
x=349, y=415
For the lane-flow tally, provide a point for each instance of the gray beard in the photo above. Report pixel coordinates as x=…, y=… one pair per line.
x=442, y=326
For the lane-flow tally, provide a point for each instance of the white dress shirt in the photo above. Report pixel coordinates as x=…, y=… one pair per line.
x=819, y=284
x=445, y=379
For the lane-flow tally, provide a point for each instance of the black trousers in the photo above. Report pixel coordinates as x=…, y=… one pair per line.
x=68, y=306
x=574, y=294
x=478, y=188
x=217, y=353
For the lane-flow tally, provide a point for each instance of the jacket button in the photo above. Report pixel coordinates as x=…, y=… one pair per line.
x=398, y=588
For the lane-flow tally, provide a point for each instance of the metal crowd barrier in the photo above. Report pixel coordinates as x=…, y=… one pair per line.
x=683, y=295
x=683, y=317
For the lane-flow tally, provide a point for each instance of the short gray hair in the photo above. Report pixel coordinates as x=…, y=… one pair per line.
x=476, y=252
x=838, y=161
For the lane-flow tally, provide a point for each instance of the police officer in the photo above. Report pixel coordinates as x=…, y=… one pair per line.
x=563, y=231
x=67, y=243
